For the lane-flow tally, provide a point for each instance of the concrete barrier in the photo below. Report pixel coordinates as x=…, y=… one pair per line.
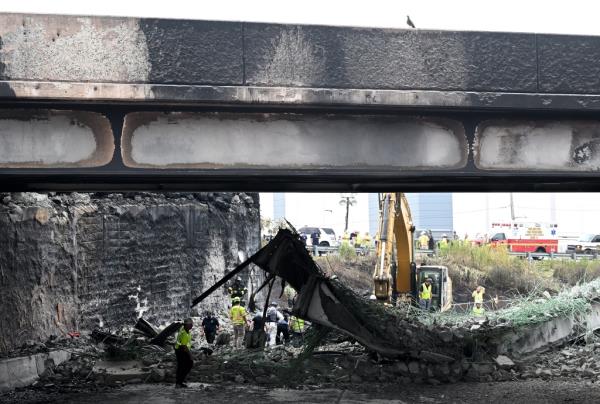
x=555, y=331
x=24, y=370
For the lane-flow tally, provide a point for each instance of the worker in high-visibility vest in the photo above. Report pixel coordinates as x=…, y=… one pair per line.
x=366, y=241
x=425, y=294
x=346, y=237
x=297, y=328
x=478, y=310
x=296, y=325
x=238, y=318
x=478, y=294
x=357, y=240
x=183, y=354
x=423, y=241
x=443, y=244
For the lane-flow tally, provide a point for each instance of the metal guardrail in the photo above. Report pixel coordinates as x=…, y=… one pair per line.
x=320, y=250
x=573, y=256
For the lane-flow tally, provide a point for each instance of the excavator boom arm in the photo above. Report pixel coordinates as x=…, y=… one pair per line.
x=394, y=250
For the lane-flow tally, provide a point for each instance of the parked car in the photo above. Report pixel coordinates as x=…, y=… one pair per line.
x=327, y=236
x=587, y=244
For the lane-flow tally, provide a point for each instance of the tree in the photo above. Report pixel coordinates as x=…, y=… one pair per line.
x=348, y=200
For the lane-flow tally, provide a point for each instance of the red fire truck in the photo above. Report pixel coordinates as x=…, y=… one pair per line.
x=526, y=236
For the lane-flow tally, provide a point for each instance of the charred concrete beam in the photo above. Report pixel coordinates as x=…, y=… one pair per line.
x=183, y=61
x=43, y=149
x=538, y=145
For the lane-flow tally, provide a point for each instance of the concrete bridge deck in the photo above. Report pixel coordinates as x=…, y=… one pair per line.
x=92, y=103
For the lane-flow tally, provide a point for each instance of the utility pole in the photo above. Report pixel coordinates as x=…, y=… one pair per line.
x=512, y=207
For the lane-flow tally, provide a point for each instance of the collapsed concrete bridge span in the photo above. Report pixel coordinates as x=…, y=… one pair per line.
x=407, y=332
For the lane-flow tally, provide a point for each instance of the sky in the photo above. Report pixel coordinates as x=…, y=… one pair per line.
x=574, y=212
x=549, y=16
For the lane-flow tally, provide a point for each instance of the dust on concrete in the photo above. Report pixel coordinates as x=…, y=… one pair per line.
x=530, y=391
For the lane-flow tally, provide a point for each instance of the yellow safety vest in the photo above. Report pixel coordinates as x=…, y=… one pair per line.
x=425, y=292
x=478, y=296
x=478, y=311
x=238, y=315
x=424, y=242
x=366, y=241
x=183, y=338
x=297, y=324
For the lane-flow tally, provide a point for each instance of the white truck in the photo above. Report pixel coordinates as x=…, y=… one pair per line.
x=587, y=244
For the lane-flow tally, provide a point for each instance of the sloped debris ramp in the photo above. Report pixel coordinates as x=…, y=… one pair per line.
x=406, y=332
x=327, y=302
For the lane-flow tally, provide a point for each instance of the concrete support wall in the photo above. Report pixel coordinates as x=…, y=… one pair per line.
x=72, y=263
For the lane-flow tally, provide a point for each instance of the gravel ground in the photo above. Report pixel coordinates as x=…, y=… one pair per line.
x=527, y=391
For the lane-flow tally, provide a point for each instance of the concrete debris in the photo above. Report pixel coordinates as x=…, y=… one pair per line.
x=146, y=328
x=504, y=361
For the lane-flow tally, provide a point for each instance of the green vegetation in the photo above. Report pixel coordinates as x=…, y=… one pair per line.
x=493, y=267
x=469, y=266
x=573, y=272
x=346, y=251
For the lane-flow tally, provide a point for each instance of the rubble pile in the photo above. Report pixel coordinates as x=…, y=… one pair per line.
x=578, y=361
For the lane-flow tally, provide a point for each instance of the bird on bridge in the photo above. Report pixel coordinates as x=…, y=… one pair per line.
x=409, y=22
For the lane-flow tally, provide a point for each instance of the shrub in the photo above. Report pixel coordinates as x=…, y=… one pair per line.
x=574, y=272
x=346, y=251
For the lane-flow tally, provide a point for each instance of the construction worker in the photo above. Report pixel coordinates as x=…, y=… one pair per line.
x=238, y=318
x=237, y=289
x=366, y=243
x=346, y=237
x=478, y=294
x=283, y=331
x=478, y=310
x=425, y=294
x=297, y=327
x=423, y=241
x=443, y=242
x=430, y=241
x=256, y=338
x=273, y=317
x=358, y=240
x=290, y=294
x=183, y=354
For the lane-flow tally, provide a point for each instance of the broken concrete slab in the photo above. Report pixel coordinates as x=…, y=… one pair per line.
x=113, y=372
x=504, y=361
x=25, y=370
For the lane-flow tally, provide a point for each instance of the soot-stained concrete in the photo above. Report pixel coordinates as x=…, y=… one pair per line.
x=73, y=262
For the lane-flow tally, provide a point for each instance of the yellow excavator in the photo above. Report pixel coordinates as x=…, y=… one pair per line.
x=397, y=277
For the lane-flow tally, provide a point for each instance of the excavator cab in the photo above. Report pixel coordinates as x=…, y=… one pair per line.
x=441, y=285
